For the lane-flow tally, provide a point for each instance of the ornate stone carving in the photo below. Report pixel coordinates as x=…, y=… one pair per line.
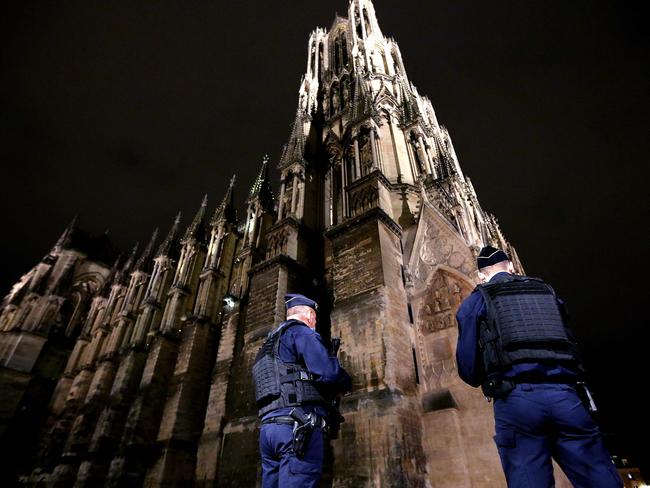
x=335, y=100
x=363, y=199
x=277, y=243
x=365, y=153
x=436, y=314
x=438, y=245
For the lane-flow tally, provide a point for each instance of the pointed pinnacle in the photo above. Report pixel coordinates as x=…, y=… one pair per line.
x=154, y=236
x=110, y=279
x=294, y=150
x=146, y=255
x=123, y=273
x=227, y=204
x=131, y=260
x=116, y=264
x=73, y=222
x=197, y=223
x=259, y=183
x=66, y=233
x=166, y=245
x=229, y=191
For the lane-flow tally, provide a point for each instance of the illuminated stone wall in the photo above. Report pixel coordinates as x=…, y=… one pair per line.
x=139, y=368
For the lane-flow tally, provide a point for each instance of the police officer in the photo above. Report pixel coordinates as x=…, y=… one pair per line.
x=295, y=377
x=513, y=341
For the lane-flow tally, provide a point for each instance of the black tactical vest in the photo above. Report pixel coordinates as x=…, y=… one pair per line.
x=524, y=324
x=279, y=384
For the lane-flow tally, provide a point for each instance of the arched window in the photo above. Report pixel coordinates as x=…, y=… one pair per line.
x=288, y=195
x=365, y=152
x=366, y=20
x=335, y=99
x=344, y=51
x=345, y=93
x=357, y=18
x=313, y=59
x=76, y=305
x=415, y=144
x=393, y=54
x=320, y=60
x=383, y=57
x=350, y=165
x=337, y=56
x=337, y=197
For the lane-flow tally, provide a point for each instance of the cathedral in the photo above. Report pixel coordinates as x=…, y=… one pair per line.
x=135, y=370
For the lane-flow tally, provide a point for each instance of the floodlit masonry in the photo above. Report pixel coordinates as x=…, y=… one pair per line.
x=136, y=371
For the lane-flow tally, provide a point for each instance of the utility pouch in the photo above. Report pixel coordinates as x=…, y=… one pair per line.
x=303, y=427
x=497, y=388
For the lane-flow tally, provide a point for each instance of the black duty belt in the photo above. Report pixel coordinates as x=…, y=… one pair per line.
x=279, y=420
x=284, y=419
x=541, y=379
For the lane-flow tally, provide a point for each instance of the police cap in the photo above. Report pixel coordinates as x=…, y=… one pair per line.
x=296, y=300
x=490, y=255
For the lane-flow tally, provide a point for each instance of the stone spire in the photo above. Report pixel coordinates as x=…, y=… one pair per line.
x=362, y=105
x=196, y=230
x=123, y=274
x=227, y=209
x=261, y=188
x=64, y=240
x=294, y=150
x=144, y=262
x=110, y=279
x=410, y=109
x=445, y=164
x=169, y=244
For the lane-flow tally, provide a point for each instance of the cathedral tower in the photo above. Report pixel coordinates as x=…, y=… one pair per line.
x=374, y=219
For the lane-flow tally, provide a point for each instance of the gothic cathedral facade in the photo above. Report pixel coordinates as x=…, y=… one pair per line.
x=137, y=371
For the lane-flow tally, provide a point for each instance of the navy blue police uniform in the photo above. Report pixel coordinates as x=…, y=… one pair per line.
x=294, y=369
x=513, y=342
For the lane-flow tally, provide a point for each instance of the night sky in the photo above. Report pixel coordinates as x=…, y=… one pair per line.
x=126, y=112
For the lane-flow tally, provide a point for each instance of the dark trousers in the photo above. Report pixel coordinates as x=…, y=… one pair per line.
x=280, y=466
x=537, y=422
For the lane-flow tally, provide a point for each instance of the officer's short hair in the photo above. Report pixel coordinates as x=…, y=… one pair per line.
x=501, y=265
x=300, y=310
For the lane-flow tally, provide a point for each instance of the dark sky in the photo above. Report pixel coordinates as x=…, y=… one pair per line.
x=125, y=112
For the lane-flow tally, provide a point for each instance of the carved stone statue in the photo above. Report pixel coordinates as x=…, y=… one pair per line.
x=326, y=105
x=335, y=101
x=373, y=62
